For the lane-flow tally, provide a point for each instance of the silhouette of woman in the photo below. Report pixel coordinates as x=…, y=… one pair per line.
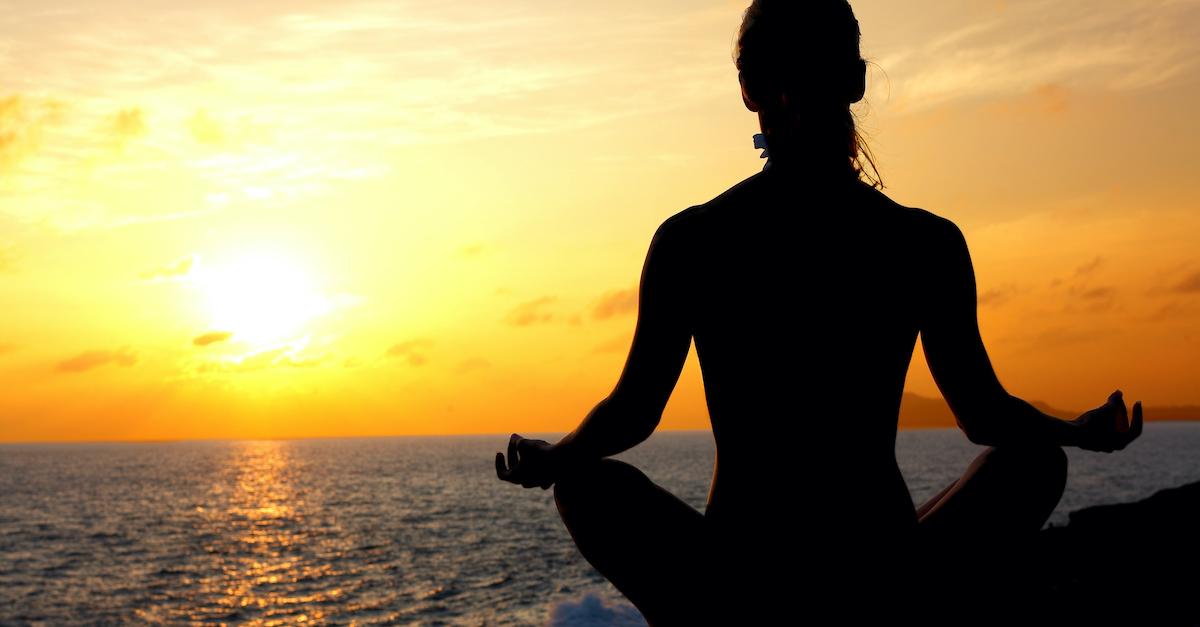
x=804, y=289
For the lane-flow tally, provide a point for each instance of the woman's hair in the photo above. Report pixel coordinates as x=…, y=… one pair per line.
x=800, y=64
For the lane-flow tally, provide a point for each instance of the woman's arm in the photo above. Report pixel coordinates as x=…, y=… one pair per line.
x=661, y=339
x=986, y=413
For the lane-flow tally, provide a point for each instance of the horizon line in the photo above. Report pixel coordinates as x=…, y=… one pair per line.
x=407, y=435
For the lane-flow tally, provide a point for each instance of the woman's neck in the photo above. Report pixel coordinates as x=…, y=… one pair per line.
x=824, y=171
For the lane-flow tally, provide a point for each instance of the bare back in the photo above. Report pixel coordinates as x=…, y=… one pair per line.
x=805, y=305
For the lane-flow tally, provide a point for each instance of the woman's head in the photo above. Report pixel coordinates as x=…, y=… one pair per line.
x=800, y=69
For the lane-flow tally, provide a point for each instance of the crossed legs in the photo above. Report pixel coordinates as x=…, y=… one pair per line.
x=979, y=532
x=643, y=539
x=1004, y=491
x=654, y=547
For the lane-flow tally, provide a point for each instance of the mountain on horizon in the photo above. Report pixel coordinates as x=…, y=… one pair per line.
x=923, y=412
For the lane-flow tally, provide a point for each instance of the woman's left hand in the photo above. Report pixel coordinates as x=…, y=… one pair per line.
x=531, y=463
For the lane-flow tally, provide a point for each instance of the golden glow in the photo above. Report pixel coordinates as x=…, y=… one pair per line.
x=260, y=297
x=191, y=198
x=254, y=517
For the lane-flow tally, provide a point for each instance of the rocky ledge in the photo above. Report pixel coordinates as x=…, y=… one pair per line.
x=1130, y=563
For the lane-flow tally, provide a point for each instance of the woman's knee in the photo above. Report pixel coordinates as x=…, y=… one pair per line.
x=1041, y=467
x=589, y=484
x=1039, y=459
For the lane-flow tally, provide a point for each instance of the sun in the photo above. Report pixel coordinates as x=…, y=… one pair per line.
x=261, y=297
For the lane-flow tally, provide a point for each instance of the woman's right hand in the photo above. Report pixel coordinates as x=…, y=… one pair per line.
x=1107, y=428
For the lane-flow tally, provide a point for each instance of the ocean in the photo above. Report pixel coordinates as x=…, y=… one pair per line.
x=405, y=530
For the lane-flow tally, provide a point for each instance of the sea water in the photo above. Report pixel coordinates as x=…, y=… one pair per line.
x=407, y=530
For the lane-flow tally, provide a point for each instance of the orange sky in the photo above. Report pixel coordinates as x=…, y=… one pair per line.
x=296, y=219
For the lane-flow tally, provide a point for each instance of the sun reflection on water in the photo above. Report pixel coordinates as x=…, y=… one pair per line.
x=262, y=542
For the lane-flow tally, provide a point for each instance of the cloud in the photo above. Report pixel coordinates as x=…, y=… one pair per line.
x=997, y=296
x=205, y=129
x=173, y=270
x=1045, y=45
x=1092, y=299
x=22, y=125
x=530, y=312
x=1095, y=293
x=615, y=303
x=92, y=359
x=128, y=123
x=212, y=337
x=1174, y=310
x=1189, y=285
x=1089, y=267
x=289, y=356
x=6, y=347
x=412, y=350
x=357, y=79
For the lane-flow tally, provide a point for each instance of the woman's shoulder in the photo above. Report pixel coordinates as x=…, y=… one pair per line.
x=733, y=205
x=933, y=238
x=737, y=196
x=920, y=218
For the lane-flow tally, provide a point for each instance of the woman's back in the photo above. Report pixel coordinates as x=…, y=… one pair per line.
x=804, y=301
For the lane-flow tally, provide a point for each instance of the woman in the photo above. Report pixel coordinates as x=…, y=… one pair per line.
x=804, y=289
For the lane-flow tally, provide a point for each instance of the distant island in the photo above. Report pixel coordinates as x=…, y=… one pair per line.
x=923, y=412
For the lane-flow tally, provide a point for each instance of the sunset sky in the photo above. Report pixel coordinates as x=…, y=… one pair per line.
x=359, y=218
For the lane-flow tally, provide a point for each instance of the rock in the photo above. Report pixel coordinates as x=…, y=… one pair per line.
x=1133, y=563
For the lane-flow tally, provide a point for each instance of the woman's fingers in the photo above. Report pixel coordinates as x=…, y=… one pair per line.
x=1135, y=429
x=513, y=458
x=501, y=469
x=523, y=452
x=510, y=471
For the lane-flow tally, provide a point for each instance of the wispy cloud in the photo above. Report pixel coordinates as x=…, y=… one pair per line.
x=1189, y=285
x=1089, y=267
x=212, y=337
x=997, y=296
x=174, y=270
x=23, y=121
x=287, y=356
x=128, y=123
x=89, y=360
x=531, y=312
x=1174, y=310
x=413, y=351
x=615, y=303
x=1095, y=293
x=356, y=78
x=1091, y=299
x=1105, y=44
